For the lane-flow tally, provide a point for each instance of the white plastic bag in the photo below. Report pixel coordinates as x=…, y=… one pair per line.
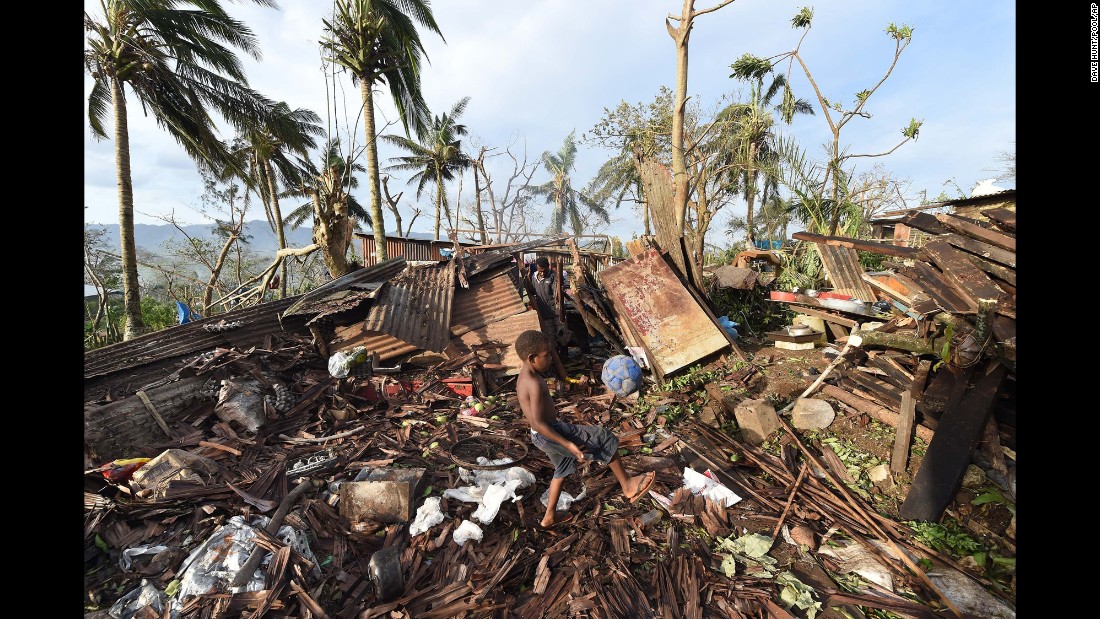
x=341, y=362
x=708, y=486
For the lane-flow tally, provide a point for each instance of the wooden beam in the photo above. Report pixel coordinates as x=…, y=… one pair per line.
x=967, y=279
x=949, y=453
x=842, y=241
x=1004, y=217
x=899, y=458
x=978, y=248
x=960, y=225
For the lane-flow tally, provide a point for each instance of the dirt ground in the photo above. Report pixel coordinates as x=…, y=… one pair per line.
x=787, y=373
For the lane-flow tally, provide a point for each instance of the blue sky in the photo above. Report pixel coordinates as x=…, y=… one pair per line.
x=538, y=69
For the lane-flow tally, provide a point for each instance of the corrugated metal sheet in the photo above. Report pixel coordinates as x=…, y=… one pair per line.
x=487, y=260
x=415, y=306
x=150, y=357
x=487, y=301
x=314, y=301
x=502, y=333
x=842, y=266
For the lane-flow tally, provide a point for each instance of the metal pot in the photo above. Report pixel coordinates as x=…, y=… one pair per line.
x=799, y=330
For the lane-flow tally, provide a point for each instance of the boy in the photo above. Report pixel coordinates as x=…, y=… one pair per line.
x=565, y=443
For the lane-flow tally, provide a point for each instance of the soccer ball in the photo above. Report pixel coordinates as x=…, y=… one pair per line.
x=622, y=375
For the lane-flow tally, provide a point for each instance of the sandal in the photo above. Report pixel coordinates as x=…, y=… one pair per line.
x=647, y=483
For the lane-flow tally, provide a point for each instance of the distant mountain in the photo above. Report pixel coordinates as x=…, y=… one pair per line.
x=151, y=237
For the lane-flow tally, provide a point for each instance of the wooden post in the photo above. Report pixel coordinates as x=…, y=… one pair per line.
x=900, y=457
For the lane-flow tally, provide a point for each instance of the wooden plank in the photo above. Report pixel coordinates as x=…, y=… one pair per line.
x=841, y=264
x=843, y=241
x=967, y=279
x=1004, y=217
x=899, y=458
x=893, y=285
x=980, y=249
x=932, y=282
x=950, y=451
x=826, y=316
x=667, y=318
x=923, y=222
x=880, y=389
x=960, y=225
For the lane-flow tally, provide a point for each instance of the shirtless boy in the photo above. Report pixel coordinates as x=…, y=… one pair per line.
x=565, y=443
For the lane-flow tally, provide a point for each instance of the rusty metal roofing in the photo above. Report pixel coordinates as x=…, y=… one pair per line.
x=147, y=358
x=501, y=336
x=415, y=306
x=335, y=291
x=486, y=260
x=487, y=301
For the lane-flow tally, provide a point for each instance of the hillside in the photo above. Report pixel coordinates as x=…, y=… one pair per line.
x=152, y=237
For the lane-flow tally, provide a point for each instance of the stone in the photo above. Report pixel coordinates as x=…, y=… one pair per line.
x=881, y=477
x=974, y=477
x=794, y=345
x=812, y=414
x=757, y=420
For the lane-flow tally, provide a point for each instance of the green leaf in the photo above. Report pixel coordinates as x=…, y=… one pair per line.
x=172, y=588
x=989, y=497
x=427, y=491
x=729, y=566
x=100, y=544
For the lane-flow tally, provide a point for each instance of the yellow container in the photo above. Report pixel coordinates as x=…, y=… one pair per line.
x=815, y=323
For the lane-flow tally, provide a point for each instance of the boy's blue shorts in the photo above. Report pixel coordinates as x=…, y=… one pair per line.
x=596, y=442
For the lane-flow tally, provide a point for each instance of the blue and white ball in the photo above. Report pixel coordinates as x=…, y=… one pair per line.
x=622, y=375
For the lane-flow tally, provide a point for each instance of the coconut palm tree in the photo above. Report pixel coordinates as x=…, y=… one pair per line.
x=177, y=58
x=268, y=149
x=377, y=41
x=559, y=189
x=754, y=136
x=335, y=213
x=618, y=179
x=435, y=157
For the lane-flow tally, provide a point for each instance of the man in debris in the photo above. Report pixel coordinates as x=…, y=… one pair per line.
x=546, y=284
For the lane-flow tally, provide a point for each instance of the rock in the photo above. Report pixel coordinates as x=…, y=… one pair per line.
x=974, y=477
x=881, y=477
x=757, y=420
x=812, y=414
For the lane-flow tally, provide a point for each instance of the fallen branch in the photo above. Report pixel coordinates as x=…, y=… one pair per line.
x=854, y=341
x=321, y=439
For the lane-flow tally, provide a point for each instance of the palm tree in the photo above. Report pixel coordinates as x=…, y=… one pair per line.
x=377, y=41
x=335, y=212
x=618, y=178
x=179, y=63
x=754, y=137
x=435, y=158
x=559, y=189
x=268, y=147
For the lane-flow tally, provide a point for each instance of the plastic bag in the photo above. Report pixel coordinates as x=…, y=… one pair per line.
x=342, y=362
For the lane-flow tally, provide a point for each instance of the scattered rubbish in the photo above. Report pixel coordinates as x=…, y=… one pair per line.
x=565, y=500
x=385, y=572
x=854, y=558
x=490, y=488
x=215, y=563
x=380, y=495
x=146, y=596
x=241, y=400
x=707, y=484
x=121, y=469
x=127, y=558
x=173, y=465
x=427, y=516
x=467, y=531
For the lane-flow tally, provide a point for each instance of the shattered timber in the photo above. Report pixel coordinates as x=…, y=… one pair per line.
x=319, y=456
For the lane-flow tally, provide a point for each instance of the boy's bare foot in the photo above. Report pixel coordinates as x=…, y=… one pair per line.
x=543, y=524
x=641, y=484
